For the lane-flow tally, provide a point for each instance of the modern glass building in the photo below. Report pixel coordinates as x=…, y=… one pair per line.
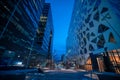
x=19, y=24
x=44, y=36
x=94, y=35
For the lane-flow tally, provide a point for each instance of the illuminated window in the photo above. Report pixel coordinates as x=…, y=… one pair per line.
x=88, y=65
x=115, y=59
x=111, y=38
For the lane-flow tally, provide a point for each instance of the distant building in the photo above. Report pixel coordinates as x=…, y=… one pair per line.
x=94, y=35
x=19, y=28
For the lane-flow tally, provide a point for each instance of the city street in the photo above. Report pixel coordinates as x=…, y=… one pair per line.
x=64, y=74
x=59, y=39
x=68, y=75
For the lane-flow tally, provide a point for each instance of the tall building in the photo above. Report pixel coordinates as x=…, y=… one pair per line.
x=19, y=24
x=47, y=25
x=44, y=36
x=94, y=35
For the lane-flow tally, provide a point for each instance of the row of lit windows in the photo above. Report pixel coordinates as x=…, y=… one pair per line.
x=115, y=59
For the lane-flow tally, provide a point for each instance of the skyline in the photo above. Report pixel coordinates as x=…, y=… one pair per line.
x=61, y=13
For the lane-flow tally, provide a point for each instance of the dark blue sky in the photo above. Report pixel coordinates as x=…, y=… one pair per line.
x=61, y=11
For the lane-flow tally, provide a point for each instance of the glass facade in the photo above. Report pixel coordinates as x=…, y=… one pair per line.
x=88, y=65
x=44, y=36
x=19, y=27
x=115, y=59
x=94, y=29
x=109, y=61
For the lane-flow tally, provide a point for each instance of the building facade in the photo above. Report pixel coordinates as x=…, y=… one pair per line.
x=19, y=24
x=44, y=36
x=94, y=35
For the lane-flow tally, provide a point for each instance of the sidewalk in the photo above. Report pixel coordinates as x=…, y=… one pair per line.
x=107, y=76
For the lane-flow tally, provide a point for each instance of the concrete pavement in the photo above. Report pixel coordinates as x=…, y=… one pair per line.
x=67, y=74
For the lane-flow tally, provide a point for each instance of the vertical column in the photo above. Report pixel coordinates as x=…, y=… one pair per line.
x=94, y=62
x=107, y=63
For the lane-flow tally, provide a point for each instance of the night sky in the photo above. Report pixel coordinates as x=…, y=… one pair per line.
x=61, y=12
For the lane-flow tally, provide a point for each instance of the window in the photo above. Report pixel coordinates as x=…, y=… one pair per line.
x=92, y=34
x=115, y=60
x=91, y=24
x=85, y=50
x=96, y=16
x=102, y=28
x=100, y=44
x=88, y=18
x=111, y=38
x=94, y=40
x=91, y=47
x=104, y=9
